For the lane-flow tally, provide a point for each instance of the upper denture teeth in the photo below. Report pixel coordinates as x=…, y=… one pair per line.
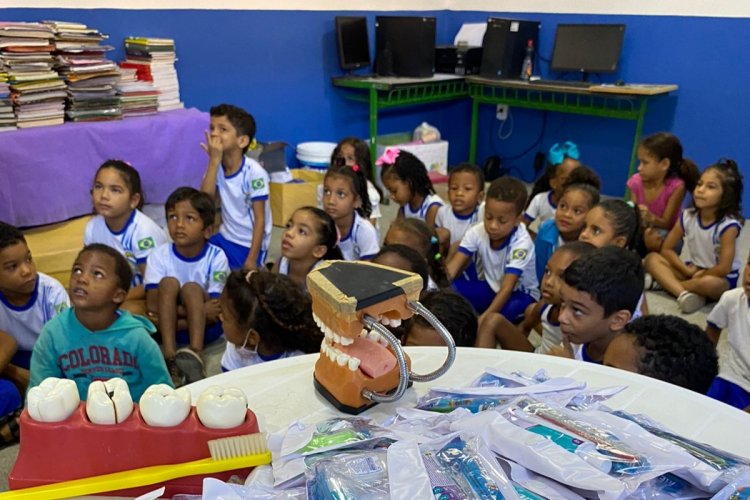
x=346, y=341
x=363, y=333
x=395, y=322
x=385, y=321
x=337, y=338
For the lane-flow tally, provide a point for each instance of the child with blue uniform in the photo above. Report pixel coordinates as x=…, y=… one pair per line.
x=184, y=280
x=416, y=234
x=95, y=340
x=345, y=199
x=120, y=224
x=599, y=296
x=732, y=314
x=28, y=300
x=505, y=252
x=711, y=230
x=242, y=185
x=405, y=177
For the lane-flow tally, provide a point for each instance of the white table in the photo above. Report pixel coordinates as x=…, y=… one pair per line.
x=282, y=391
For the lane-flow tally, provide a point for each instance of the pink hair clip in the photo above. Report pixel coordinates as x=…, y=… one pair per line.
x=355, y=167
x=388, y=157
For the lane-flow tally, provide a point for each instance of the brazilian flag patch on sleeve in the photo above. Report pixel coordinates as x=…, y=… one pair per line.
x=257, y=184
x=219, y=276
x=146, y=243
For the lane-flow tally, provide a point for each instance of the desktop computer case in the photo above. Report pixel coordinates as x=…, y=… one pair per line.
x=504, y=46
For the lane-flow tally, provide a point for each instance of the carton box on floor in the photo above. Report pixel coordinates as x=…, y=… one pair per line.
x=288, y=197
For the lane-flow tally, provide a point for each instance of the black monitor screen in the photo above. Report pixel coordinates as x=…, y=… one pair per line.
x=590, y=48
x=405, y=46
x=353, y=43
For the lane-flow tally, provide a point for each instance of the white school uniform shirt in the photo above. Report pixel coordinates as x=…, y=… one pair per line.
x=704, y=242
x=456, y=224
x=733, y=314
x=551, y=334
x=233, y=358
x=209, y=269
x=421, y=211
x=140, y=236
x=25, y=323
x=541, y=207
x=284, y=266
x=238, y=192
x=515, y=256
x=362, y=240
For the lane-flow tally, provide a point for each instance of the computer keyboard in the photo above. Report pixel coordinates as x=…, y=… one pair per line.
x=563, y=83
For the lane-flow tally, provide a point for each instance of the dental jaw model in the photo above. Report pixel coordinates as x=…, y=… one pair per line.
x=361, y=363
x=66, y=439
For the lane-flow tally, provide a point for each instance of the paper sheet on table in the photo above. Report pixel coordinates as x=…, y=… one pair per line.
x=471, y=33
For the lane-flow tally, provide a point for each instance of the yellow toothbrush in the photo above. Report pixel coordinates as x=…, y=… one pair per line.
x=236, y=452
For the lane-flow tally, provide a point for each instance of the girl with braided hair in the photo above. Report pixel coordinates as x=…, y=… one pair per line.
x=266, y=316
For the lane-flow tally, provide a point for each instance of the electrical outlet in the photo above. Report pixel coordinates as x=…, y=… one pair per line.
x=502, y=112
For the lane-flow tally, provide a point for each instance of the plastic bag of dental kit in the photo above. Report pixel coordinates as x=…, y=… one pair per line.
x=332, y=434
x=360, y=474
x=456, y=466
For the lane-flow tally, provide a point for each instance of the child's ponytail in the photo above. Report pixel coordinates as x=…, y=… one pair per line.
x=408, y=168
x=731, y=186
x=626, y=221
x=329, y=234
x=356, y=175
x=665, y=145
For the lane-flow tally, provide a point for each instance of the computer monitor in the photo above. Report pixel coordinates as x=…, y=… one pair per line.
x=587, y=48
x=405, y=46
x=353, y=42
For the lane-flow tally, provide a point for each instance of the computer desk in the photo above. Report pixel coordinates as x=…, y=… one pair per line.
x=392, y=92
x=627, y=102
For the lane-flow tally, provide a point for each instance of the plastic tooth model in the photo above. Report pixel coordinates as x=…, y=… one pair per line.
x=66, y=439
x=361, y=363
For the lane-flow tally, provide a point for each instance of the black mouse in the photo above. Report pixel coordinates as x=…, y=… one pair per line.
x=620, y=83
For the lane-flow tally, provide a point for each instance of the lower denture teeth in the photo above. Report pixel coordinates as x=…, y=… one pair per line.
x=342, y=359
x=353, y=364
x=395, y=322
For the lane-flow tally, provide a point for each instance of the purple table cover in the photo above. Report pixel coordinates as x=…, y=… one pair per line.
x=46, y=173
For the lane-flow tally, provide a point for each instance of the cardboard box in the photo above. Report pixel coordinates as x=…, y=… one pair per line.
x=54, y=247
x=434, y=155
x=288, y=197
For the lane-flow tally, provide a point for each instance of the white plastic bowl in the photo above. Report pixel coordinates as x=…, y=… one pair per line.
x=316, y=149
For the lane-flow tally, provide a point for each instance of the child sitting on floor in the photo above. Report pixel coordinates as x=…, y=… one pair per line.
x=416, y=234
x=405, y=177
x=547, y=190
x=505, y=252
x=28, y=300
x=266, y=316
x=667, y=348
x=183, y=282
x=352, y=151
x=598, y=298
x=95, y=340
x=453, y=311
x=406, y=259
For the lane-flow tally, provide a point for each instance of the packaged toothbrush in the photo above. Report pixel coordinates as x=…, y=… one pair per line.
x=458, y=466
x=739, y=489
x=492, y=377
x=667, y=487
x=591, y=399
x=446, y=402
x=361, y=475
x=331, y=434
x=713, y=469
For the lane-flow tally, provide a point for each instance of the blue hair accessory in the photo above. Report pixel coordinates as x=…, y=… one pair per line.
x=558, y=152
x=433, y=239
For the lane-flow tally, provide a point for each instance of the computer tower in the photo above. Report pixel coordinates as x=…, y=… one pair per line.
x=504, y=46
x=405, y=46
x=458, y=60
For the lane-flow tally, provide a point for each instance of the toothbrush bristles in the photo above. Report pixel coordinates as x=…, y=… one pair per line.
x=238, y=446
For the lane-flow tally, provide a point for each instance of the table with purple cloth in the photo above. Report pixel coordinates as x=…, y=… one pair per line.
x=46, y=173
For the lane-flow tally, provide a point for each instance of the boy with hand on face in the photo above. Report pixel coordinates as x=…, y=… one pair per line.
x=242, y=185
x=95, y=340
x=598, y=298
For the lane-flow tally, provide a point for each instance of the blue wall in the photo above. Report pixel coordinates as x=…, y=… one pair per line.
x=278, y=65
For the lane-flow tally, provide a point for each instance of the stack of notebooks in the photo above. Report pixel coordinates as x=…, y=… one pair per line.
x=137, y=97
x=7, y=116
x=37, y=91
x=153, y=59
x=90, y=76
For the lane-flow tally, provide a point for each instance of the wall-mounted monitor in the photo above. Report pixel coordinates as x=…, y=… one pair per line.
x=587, y=48
x=353, y=42
x=405, y=46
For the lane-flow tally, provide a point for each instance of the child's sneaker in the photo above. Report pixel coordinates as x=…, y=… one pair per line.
x=690, y=302
x=649, y=283
x=190, y=363
x=178, y=378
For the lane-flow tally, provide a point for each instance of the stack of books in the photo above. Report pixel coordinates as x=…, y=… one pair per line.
x=7, y=116
x=153, y=59
x=37, y=91
x=91, y=78
x=137, y=97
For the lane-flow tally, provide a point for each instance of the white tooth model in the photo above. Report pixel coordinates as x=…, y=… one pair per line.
x=222, y=407
x=163, y=406
x=109, y=402
x=54, y=400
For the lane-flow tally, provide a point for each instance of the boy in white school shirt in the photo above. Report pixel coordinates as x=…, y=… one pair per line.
x=242, y=185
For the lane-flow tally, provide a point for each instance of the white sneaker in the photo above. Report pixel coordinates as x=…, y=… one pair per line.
x=649, y=283
x=690, y=302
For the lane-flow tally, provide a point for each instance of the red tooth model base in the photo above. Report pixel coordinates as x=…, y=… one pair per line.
x=76, y=448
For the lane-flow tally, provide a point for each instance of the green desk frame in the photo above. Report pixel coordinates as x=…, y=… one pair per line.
x=627, y=103
x=385, y=92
